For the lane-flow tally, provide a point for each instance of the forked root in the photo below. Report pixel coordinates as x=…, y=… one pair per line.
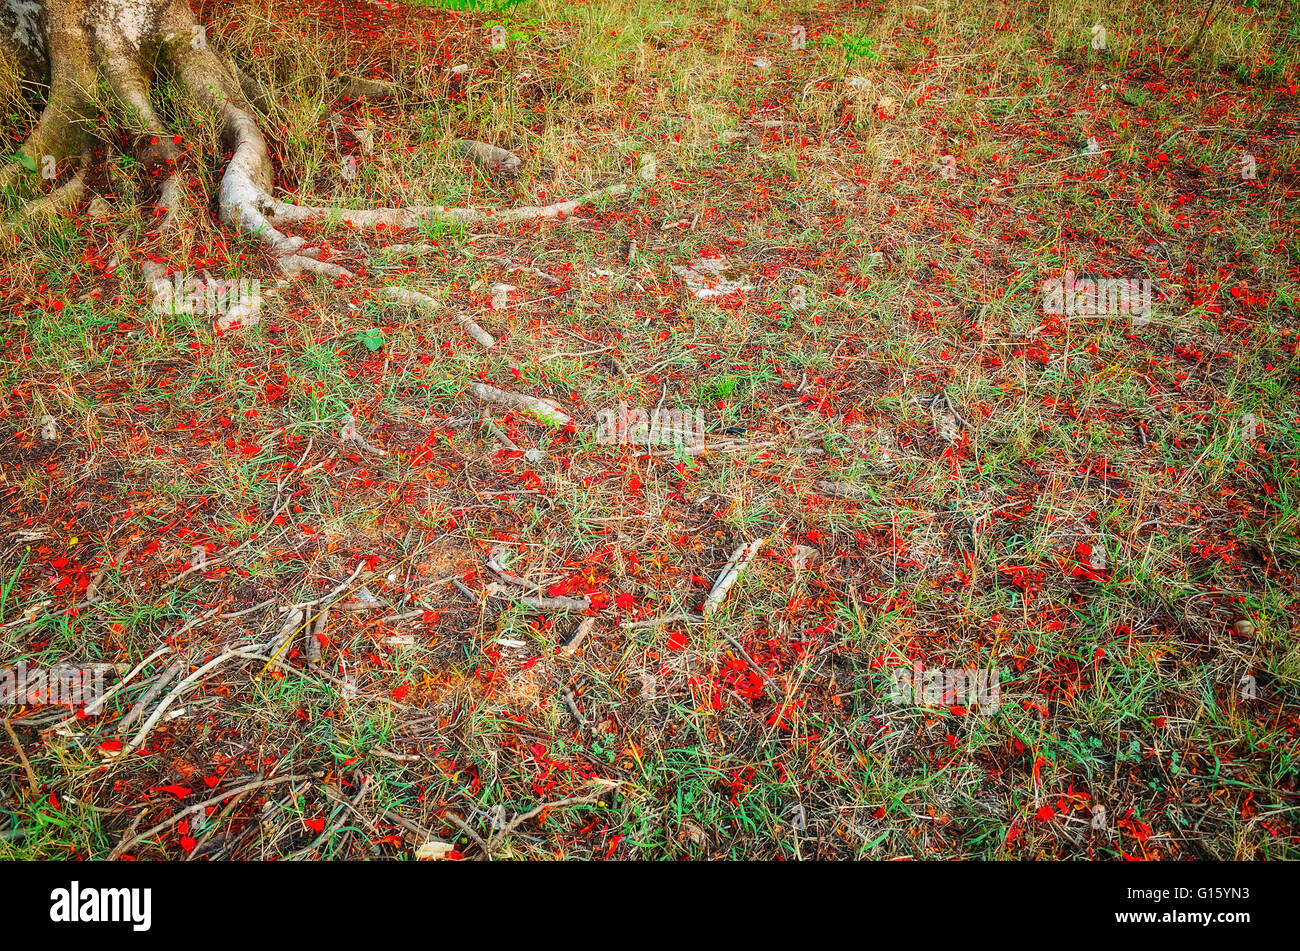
x=98, y=48
x=245, y=199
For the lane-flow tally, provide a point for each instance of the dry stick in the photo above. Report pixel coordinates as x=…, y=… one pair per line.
x=495, y=590
x=126, y=844
x=338, y=796
x=736, y=565
x=427, y=836
x=181, y=688
x=137, y=711
x=109, y=561
x=216, y=824
x=749, y=660
x=95, y=706
x=463, y=826
x=363, y=87
x=195, y=622
x=397, y=757
x=579, y=636
x=316, y=636
x=952, y=409
x=336, y=822
x=255, y=608
x=296, y=619
x=496, y=431
x=494, y=564
x=234, y=551
x=520, y=820
x=299, y=616
x=276, y=817
x=536, y=599
x=27, y=766
x=573, y=707
x=331, y=595
x=665, y=619
x=413, y=827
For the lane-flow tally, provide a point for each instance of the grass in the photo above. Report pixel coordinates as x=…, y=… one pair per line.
x=768, y=730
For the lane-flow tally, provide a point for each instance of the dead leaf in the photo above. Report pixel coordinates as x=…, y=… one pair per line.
x=434, y=850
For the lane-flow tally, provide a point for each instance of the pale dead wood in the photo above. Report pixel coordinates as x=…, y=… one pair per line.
x=127, y=843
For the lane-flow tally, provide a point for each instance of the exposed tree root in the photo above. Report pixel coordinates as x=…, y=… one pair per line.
x=546, y=411
x=60, y=201
x=425, y=302
x=84, y=44
x=125, y=48
x=490, y=157
x=171, y=199
x=245, y=200
x=735, y=567
x=294, y=264
x=359, y=87
x=62, y=130
x=405, y=219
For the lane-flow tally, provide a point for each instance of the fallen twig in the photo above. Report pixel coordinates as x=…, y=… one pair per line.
x=184, y=685
x=579, y=636
x=123, y=846
x=665, y=619
x=22, y=756
x=495, y=590
x=532, y=813
x=137, y=711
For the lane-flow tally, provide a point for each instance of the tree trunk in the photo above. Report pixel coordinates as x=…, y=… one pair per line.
x=72, y=45
x=22, y=36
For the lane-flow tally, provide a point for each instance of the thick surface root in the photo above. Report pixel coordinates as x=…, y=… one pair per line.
x=58, y=202
x=405, y=219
